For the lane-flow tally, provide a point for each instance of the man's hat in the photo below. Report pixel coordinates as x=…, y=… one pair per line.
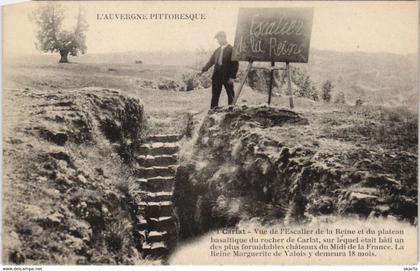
x=220, y=34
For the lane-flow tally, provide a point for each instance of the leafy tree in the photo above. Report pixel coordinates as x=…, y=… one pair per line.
x=51, y=37
x=327, y=87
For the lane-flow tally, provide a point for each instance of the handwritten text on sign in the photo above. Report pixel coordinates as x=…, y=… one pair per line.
x=273, y=34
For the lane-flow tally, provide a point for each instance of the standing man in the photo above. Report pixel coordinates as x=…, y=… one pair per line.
x=224, y=70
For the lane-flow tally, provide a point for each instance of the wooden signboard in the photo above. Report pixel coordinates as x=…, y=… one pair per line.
x=273, y=34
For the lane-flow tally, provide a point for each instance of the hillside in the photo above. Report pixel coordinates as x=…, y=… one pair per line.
x=71, y=143
x=380, y=78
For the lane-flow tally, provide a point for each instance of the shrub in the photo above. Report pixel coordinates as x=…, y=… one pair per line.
x=305, y=85
x=191, y=81
x=327, y=87
x=359, y=101
x=340, y=98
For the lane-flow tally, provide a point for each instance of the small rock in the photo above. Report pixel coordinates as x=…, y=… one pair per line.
x=82, y=179
x=365, y=190
x=62, y=179
x=359, y=196
x=382, y=209
x=74, y=243
x=54, y=218
x=34, y=212
x=104, y=210
x=80, y=229
x=36, y=229
x=52, y=192
x=62, y=166
x=42, y=179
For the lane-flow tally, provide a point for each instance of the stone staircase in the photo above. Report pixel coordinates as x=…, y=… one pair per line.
x=155, y=172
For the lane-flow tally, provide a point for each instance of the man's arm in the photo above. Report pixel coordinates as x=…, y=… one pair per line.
x=209, y=63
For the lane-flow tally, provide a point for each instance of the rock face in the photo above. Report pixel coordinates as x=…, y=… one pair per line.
x=275, y=164
x=65, y=174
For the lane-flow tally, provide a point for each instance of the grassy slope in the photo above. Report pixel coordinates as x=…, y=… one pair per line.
x=166, y=110
x=378, y=77
x=386, y=128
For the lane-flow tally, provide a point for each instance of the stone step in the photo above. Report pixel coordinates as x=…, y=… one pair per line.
x=162, y=223
x=152, y=236
x=156, y=236
x=164, y=138
x=157, y=196
x=153, y=211
x=154, y=246
x=149, y=172
x=156, y=223
x=156, y=184
x=158, y=148
x=158, y=160
x=155, y=204
x=157, y=208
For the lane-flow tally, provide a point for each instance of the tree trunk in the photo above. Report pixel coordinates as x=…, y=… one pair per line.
x=64, y=54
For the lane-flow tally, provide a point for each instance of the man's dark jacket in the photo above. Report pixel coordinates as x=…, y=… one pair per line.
x=228, y=69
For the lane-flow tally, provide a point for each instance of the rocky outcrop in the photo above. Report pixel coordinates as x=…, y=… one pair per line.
x=65, y=166
x=273, y=164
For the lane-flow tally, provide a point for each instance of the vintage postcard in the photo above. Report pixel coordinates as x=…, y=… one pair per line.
x=210, y=133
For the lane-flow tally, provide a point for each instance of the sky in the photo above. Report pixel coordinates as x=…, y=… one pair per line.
x=377, y=26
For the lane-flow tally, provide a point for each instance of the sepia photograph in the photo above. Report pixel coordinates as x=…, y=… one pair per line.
x=210, y=133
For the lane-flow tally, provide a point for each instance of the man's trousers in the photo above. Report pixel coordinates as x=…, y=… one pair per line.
x=216, y=89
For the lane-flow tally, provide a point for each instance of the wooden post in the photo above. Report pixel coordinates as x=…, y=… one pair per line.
x=242, y=83
x=271, y=82
x=289, y=84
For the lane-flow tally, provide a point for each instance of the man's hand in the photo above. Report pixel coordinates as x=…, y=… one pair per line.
x=230, y=81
